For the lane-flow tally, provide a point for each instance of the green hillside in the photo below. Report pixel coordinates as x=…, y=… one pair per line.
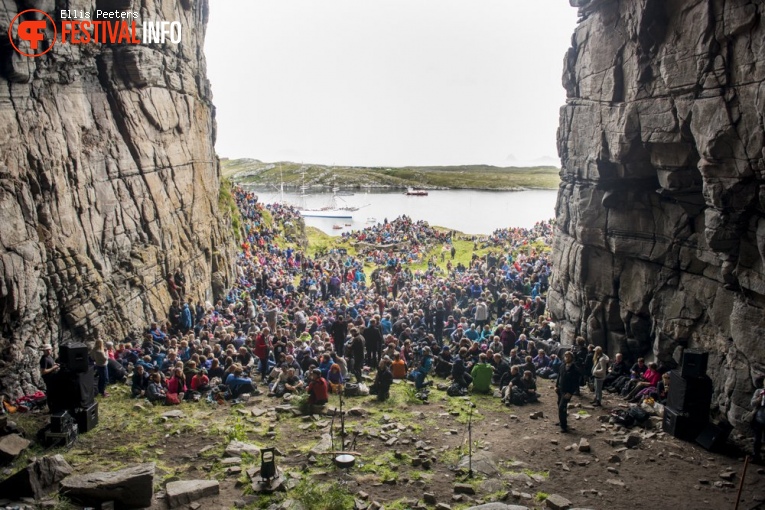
x=252, y=171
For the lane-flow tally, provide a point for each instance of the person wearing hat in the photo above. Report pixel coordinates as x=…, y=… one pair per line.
x=48, y=365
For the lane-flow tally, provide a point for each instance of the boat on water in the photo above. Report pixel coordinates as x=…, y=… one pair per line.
x=414, y=192
x=330, y=211
x=337, y=226
x=347, y=224
x=371, y=220
x=337, y=214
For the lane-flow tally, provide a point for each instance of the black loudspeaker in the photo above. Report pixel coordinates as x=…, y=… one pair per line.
x=70, y=390
x=64, y=438
x=713, y=437
x=86, y=417
x=74, y=357
x=692, y=395
x=60, y=421
x=681, y=425
x=695, y=363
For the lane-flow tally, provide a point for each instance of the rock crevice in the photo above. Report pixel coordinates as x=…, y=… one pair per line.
x=660, y=234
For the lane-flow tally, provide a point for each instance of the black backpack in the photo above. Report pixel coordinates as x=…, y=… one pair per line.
x=623, y=418
x=517, y=396
x=638, y=414
x=455, y=390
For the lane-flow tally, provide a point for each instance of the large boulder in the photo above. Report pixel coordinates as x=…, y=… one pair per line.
x=186, y=491
x=131, y=487
x=483, y=462
x=37, y=479
x=237, y=448
x=12, y=445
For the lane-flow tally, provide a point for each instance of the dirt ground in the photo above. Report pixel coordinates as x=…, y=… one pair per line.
x=527, y=459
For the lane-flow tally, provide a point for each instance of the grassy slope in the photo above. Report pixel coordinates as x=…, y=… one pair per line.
x=457, y=177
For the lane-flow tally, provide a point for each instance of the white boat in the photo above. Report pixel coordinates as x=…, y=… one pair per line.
x=371, y=220
x=330, y=211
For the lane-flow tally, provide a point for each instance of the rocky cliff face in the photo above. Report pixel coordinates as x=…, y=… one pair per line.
x=660, y=240
x=108, y=181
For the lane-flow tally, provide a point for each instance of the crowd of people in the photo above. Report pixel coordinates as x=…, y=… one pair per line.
x=295, y=325
x=316, y=325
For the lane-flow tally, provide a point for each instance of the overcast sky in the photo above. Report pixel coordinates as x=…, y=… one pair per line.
x=388, y=82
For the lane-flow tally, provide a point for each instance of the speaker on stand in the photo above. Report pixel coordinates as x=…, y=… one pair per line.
x=69, y=390
x=73, y=357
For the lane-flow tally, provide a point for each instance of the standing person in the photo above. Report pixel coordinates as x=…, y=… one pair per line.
x=272, y=315
x=373, y=341
x=262, y=347
x=439, y=319
x=180, y=283
x=48, y=365
x=566, y=385
x=481, y=313
x=758, y=418
x=599, y=372
x=357, y=354
x=101, y=360
x=339, y=332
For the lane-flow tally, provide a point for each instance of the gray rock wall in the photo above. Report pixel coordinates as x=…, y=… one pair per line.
x=660, y=236
x=108, y=180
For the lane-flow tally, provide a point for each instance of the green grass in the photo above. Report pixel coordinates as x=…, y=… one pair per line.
x=385, y=467
x=315, y=496
x=228, y=207
x=541, y=496
x=452, y=177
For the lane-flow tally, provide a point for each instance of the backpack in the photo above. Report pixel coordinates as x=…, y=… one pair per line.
x=623, y=418
x=638, y=413
x=517, y=396
x=455, y=390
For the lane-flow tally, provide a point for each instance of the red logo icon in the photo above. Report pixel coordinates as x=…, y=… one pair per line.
x=32, y=31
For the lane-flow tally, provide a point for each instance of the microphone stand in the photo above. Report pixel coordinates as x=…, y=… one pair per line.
x=470, y=442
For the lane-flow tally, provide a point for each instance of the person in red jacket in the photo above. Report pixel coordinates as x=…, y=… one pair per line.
x=177, y=383
x=318, y=389
x=262, y=346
